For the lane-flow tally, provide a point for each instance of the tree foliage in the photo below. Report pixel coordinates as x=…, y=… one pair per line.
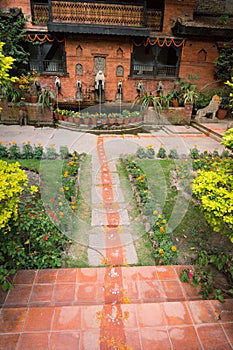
x=224, y=64
x=12, y=32
x=214, y=188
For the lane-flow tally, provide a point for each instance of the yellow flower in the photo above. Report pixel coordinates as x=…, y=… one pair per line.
x=155, y=212
x=149, y=146
x=164, y=221
x=33, y=189
x=162, y=255
x=160, y=251
x=60, y=204
x=160, y=217
x=66, y=174
x=173, y=248
x=52, y=144
x=161, y=230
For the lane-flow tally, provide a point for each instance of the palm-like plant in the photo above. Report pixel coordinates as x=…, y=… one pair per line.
x=147, y=100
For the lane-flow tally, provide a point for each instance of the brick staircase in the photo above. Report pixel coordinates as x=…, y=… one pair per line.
x=111, y=308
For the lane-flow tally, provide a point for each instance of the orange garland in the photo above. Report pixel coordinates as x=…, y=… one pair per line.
x=165, y=42
x=45, y=38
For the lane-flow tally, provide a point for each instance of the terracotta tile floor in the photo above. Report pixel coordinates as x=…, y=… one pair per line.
x=70, y=309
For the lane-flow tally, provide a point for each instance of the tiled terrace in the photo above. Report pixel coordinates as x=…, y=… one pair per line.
x=70, y=309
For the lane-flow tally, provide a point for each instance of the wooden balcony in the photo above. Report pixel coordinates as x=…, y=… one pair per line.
x=96, y=14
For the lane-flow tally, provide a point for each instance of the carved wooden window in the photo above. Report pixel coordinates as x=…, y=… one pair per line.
x=155, y=61
x=47, y=58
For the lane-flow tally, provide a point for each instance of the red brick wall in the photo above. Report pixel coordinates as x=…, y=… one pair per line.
x=174, y=9
x=191, y=63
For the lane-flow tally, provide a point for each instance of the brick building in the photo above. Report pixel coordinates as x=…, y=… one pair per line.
x=126, y=42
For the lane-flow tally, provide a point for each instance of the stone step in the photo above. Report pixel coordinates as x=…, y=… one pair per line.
x=86, y=286
x=167, y=325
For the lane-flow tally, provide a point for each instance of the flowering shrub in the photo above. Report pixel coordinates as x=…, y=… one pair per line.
x=13, y=179
x=166, y=251
x=27, y=81
x=214, y=189
x=34, y=242
x=140, y=179
x=228, y=139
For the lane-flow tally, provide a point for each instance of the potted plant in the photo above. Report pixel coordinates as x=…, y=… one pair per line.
x=11, y=93
x=175, y=98
x=190, y=96
x=165, y=100
x=223, y=108
x=148, y=100
x=29, y=85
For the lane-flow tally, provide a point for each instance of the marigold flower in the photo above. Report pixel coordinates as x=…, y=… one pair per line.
x=161, y=230
x=164, y=221
x=71, y=163
x=155, y=212
x=66, y=174
x=162, y=255
x=160, y=251
x=160, y=217
x=173, y=248
x=52, y=144
x=45, y=238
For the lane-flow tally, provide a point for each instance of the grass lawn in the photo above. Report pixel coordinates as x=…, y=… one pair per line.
x=190, y=231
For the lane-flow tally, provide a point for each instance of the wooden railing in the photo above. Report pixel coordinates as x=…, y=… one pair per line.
x=98, y=13
x=40, y=13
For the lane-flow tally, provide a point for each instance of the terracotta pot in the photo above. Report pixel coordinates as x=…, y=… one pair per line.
x=111, y=121
x=93, y=121
x=76, y=120
x=70, y=119
x=34, y=99
x=221, y=114
x=175, y=103
x=120, y=121
x=86, y=121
